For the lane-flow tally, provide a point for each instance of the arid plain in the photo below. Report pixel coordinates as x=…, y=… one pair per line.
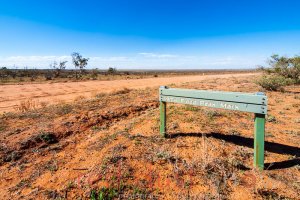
x=95, y=136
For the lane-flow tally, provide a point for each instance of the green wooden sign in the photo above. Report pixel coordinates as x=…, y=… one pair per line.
x=246, y=102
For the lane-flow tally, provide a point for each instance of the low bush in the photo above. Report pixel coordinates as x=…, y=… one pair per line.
x=274, y=82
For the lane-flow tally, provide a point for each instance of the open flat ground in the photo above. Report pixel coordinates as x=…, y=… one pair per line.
x=108, y=143
x=11, y=96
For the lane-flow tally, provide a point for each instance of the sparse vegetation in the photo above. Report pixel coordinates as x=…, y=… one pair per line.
x=63, y=109
x=58, y=72
x=104, y=193
x=211, y=113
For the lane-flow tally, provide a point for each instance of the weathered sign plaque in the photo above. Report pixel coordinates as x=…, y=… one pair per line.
x=246, y=102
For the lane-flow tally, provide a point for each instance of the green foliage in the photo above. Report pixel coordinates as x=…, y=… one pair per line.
x=104, y=194
x=282, y=71
x=286, y=67
x=47, y=137
x=274, y=82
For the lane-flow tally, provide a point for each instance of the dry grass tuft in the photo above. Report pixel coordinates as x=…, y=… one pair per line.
x=26, y=105
x=125, y=90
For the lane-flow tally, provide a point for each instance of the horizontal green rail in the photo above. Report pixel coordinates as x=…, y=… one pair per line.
x=254, y=108
x=254, y=103
x=216, y=95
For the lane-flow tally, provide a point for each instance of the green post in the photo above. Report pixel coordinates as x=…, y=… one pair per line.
x=162, y=108
x=259, y=141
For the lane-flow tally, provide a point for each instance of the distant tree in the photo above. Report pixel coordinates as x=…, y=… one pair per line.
x=58, y=67
x=79, y=62
x=112, y=70
x=62, y=65
x=53, y=65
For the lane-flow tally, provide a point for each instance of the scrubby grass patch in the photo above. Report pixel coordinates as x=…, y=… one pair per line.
x=63, y=109
x=104, y=194
x=122, y=91
x=211, y=113
x=191, y=108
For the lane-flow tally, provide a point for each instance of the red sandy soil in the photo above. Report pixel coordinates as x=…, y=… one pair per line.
x=11, y=96
x=111, y=141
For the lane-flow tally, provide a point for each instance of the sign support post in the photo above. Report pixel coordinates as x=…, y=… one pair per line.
x=163, y=119
x=259, y=140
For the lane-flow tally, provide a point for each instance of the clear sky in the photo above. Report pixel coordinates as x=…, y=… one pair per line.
x=159, y=34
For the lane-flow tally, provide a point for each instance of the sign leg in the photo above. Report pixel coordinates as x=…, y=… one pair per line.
x=259, y=141
x=162, y=108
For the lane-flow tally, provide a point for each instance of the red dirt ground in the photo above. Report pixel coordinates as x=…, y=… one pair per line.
x=72, y=150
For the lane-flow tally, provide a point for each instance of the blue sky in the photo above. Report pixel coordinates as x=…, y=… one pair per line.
x=136, y=34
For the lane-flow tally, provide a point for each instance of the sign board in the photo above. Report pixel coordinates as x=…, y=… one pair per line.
x=255, y=103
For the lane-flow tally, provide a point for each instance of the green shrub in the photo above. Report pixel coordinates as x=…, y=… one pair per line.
x=282, y=71
x=286, y=67
x=274, y=82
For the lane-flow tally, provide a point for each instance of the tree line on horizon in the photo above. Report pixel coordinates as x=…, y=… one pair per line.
x=57, y=70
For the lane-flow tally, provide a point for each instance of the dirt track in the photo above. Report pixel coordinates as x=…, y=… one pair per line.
x=12, y=95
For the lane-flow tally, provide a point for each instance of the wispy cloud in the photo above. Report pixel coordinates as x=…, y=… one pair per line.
x=138, y=61
x=156, y=55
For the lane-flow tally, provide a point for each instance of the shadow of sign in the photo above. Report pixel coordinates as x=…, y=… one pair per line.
x=248, y=142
